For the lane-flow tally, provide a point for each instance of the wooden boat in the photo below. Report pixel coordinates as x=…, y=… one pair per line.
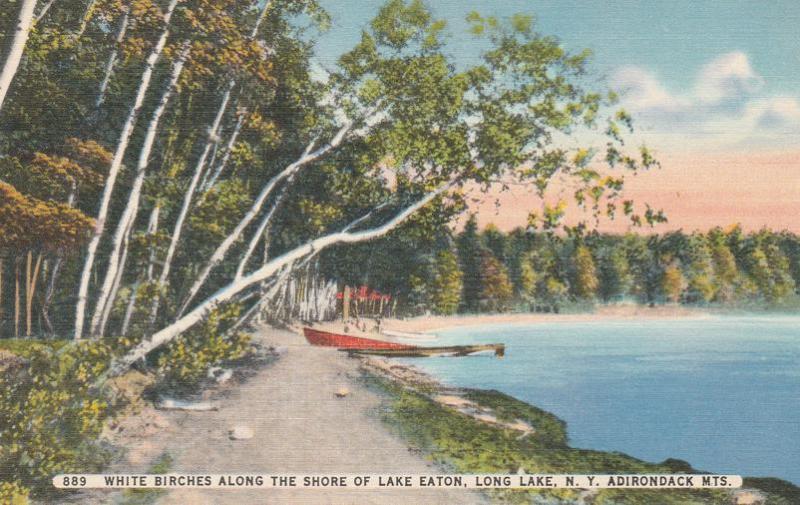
x=344, y=341
x=498, y=350
x=374, y=347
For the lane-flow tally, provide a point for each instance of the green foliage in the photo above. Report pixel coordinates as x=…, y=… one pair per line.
x=446, y=284
x=673, y=283
x=469, y=250
x=586, y=282
x=496, y=289
x=469, y=446
x=549, y=272
x=615, y=279
x=51, y=416
x=185, y=362
x=13, y=493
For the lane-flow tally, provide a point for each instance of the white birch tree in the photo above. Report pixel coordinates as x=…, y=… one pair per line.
x=16, y=47
x=116, y=165
x=116, y=263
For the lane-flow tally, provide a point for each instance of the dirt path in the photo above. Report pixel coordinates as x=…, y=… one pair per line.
x=299, y=426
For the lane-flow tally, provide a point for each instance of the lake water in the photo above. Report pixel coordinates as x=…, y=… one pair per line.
x=721, y=393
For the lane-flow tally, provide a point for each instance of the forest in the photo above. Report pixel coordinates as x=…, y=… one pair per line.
x=162, y=160
x=170, y=168
x=526, y=270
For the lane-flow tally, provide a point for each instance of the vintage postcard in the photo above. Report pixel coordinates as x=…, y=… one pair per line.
x=399, y=252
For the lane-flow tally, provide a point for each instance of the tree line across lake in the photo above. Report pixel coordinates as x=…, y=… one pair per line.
x=490, y=270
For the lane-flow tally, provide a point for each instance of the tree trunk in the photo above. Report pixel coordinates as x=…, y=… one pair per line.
x=116, y=260
x=17, y=47
x=48, y=295
x=115, y=287
x=231, y=239
x=229, y=292
x=126, y=321
x=225, y=157
x=261, y=231
x=16, y=298
x=43, y=12
x=87, y=16
x=30, y=290
x=207, y=184
x=116, y=164
x=187, y=199
x=28, y=280
x=152, y=228
x=112, y=59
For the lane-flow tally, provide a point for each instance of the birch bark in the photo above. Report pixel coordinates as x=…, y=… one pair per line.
x=17, y=47
x=112, y=59
x=116, y=262
x=230, y=291
x=255, y=209
x=113, y=171
x=187, y=200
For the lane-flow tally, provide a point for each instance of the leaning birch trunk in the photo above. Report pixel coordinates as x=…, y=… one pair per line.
x=14, y=56
x=112, y=59
x=230, y=291
x=113, y=171
x=187, y=200
x=115, y=261
x=219, y=255
x=48, y=295
x=152, y=228
x=261, y=232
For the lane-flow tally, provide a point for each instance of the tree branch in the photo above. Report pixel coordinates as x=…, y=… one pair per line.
x=226, y=294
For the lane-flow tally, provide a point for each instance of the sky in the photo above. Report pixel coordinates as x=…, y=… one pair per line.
x=713, y=86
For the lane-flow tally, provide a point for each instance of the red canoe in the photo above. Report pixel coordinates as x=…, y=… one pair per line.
x=342, y=341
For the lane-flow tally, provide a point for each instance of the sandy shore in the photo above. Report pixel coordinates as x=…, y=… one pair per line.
x=607, y=313
x=299, y=425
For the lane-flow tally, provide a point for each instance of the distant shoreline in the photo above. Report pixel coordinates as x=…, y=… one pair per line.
x=605, y=313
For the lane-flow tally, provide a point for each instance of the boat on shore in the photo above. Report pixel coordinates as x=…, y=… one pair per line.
x=370, y=346
x=498, y=350
x=345, y=341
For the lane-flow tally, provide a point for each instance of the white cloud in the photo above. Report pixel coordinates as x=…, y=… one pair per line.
x=643, y=91
x=728, y=77
x=724, y=107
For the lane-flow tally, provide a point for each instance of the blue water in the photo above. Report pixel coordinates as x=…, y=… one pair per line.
x=722, y=394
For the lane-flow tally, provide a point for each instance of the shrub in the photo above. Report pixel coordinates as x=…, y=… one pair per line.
x=51, y=417
x=185, y=362
x=13, y=493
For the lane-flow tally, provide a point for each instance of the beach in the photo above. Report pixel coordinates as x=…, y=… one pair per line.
x=432, y=323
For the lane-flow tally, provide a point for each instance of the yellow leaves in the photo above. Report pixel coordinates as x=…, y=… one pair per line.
x=133, y=47
x=90, y=152
x=31, y=223
x=267, y=130
x=13, y=493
